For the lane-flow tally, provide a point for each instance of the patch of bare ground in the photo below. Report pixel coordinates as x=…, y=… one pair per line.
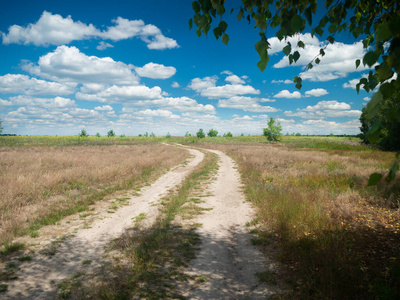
x=72, y=255
x=41, y=185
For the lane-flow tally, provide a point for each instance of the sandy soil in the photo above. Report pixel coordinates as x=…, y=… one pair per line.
x=38, y=278
x=227, y=260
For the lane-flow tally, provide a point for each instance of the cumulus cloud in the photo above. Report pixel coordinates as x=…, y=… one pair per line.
x=103, y=108
x=234, y=79
x=55, y=30
x=316, y=93
x=155, y=71
x=287, y=94
x=338, y=62
x=245, y=104
x=228, y=90
x=23, y=84
x=199, y=84
x=277, y=46
x=175, y=84
x=287, y=81
x=325, y=109
x=69, y=65
x=122, y=94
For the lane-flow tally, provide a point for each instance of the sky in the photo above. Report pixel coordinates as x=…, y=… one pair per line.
x=134, y=67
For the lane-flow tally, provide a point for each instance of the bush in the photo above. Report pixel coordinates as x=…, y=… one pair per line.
x=111, y=133
x=273, y=132
x=83, y=133
x=212, y=133
x=200, y=134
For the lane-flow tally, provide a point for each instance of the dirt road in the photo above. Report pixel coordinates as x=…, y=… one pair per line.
x=227, y=260
x=38, y=279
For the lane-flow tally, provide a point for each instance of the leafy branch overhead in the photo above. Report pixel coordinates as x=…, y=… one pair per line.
x=376, y=23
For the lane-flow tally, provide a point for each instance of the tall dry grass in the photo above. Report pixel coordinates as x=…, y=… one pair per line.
x=40, y=185
x=339, y=238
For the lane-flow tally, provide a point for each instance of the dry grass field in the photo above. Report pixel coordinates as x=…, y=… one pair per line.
x=41, y=184
x=338, y=238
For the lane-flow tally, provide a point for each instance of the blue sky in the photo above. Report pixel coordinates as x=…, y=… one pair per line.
x=134, y=66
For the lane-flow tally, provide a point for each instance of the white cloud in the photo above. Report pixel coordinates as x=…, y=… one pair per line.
x=155, y=71
x=69, y=65
x=287, y=81
x=23, y=84
x=103, y=108
x=5, y=103
x=367, y=98
x=234, y=79
x=122, y=94
x=55, y=30
x=325, y=109
x=338, y=62
x=316, y=93
x=55, y=103
x=276, y=45
x=198, y=84
x=228, y=90
x=287, y=94
x=103, y=46
x=175, y=84
x=245, y=104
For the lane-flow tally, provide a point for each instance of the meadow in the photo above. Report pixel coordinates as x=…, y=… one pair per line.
x=44, y=179
x=336, y=237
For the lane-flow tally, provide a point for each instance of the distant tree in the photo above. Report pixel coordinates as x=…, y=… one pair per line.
x=298, y=134
x=123, y=135
x=140, y=135
x=83, y=133
x=168, y=135
x=273, y=131
x=152, y=134
x=1, y=128
x=229, y=134
x=187, y=134
x=212, y=133
x=331, y=135
x=200, y=134
x=146, y=134
x=98, y=134
x=242, y=134
x=111, y=133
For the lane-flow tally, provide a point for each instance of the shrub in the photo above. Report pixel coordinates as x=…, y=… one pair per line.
x=111, y=133
x=273, y=132
x=83, y=133
x=200, y=134
x=212, y=133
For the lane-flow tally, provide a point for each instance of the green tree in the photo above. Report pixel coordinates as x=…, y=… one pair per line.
x=212, y=133
x=83, y=133
x=200, y=134
x=273, y=131
x=98, y=134
x=229, y=134
x=1, y=128
x=168, y=135
x=377, y=23
x=152, y=134
x=111, y=133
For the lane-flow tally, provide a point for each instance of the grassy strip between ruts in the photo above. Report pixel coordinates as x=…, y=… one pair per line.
x=151, y=259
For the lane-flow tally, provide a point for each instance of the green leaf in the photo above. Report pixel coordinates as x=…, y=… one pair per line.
x=223, y=26
x=198, y=31
x=217, y=32
x=332, y=29
x=374, y=179
x=190, y=24
x=225, y=39
x=296, y=23
x=322, y=52
x=300, y=44
x=262, y=64
x=357, y=63
x=383, y=32
x=308, y=15
x=331, y=39
x=370, y=58
x=374, y=132
x=317, y=61
x=196, y=7
x=287, y=49
x=240, y=14
x=298, y=82
x=296, y=56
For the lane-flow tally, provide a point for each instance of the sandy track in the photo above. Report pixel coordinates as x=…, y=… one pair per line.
x=227, y=259
x=38, y=278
